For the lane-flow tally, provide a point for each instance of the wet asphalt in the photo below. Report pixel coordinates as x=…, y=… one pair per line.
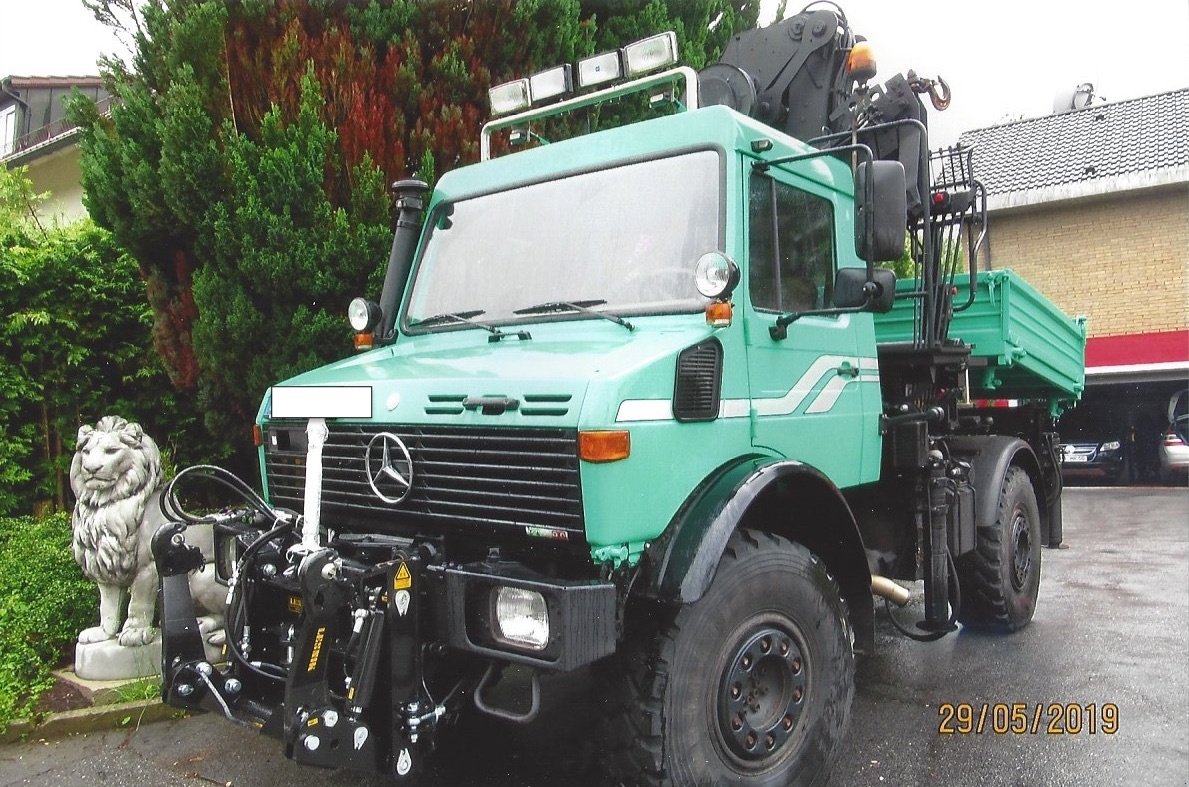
x=1107, y=650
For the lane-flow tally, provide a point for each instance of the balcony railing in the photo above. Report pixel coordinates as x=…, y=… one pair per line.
x=52, y=130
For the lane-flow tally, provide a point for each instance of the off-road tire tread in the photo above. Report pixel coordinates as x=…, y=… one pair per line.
x=981, y=576
x=632, y=734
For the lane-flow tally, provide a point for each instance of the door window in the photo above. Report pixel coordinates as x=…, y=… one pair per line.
x=791, y=247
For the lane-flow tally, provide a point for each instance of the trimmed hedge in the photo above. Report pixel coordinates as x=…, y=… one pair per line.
x=44, y=602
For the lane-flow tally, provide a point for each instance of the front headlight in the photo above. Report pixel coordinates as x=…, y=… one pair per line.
x=521, y=618
x=1113, y=445
x=363, y=314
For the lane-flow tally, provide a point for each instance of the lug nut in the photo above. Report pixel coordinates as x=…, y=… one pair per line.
x=184, y=689
x=232, y=686
x=204, y=668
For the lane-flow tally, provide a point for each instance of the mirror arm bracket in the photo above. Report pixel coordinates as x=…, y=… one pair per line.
x=780, y=330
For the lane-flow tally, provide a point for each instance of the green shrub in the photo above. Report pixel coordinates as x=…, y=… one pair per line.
x=44, y=602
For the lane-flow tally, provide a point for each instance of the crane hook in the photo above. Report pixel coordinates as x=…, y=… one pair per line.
x=938, y=90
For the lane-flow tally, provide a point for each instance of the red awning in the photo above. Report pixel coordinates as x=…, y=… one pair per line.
x=1138, y=349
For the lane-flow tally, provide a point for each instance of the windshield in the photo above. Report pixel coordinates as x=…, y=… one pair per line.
x=623, y=240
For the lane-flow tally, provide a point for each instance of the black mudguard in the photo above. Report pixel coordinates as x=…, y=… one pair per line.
x=682, y=561
x=990, y=456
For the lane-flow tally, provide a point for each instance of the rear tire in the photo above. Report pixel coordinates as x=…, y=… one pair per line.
x=752, y=685
x=1000, y=578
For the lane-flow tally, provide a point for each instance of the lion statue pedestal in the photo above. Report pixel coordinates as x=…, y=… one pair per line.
x=116, y=477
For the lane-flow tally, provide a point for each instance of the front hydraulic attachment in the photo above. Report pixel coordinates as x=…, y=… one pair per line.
x=351, y=693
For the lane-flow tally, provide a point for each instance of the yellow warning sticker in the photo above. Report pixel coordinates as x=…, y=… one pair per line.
x=295, y=605
x=316, y=651
x=403, y=579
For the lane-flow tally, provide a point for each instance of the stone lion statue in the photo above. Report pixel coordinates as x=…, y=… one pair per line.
x=116, y=477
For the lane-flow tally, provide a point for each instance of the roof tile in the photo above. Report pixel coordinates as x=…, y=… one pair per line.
x=1097, y=143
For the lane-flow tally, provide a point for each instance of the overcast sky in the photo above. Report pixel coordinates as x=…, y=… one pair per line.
x=1003, y=59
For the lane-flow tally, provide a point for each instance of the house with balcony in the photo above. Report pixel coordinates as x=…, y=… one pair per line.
x=35, y=133
x=1091, y=205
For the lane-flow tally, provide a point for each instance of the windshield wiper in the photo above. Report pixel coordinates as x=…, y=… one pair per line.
x=576, y=306
x=446, y=317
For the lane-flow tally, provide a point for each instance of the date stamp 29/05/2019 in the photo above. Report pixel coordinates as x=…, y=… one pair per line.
x=1023, y=718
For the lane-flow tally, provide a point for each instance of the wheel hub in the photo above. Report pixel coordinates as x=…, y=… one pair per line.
x=762, y=694
x=1021, y=551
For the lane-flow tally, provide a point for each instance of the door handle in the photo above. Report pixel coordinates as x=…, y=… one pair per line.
x=846, y=370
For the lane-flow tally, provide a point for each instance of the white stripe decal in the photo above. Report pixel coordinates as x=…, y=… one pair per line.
x=645, y=410
x=662, y=409
x=828, y=397
x=801, y=389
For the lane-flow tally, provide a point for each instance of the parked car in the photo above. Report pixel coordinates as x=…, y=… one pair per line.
x=1174, y=447
x=1095, y=456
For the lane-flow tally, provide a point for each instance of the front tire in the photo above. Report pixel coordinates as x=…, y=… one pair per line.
x=752, y=685
x=1000, y=578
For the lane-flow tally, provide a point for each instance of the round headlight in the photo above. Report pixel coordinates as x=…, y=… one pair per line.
x=716, y=275
x=363, y=315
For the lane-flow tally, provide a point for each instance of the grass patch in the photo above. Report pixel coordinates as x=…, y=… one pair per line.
x=144, y=689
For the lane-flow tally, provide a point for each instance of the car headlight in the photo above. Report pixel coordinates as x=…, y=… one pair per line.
x=521, y=618
x=1113, y=445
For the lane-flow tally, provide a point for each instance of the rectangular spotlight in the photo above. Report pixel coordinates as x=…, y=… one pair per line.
x=509, y=97
x=599, y=69
x=650, y=54
x=551, y=83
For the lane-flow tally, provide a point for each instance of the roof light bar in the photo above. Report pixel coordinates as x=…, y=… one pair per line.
x=509, y=97
x=551, y=83
x=650, y=54
x=600, y=69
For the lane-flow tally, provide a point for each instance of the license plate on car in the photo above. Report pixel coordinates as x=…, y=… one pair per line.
x=1077, y=458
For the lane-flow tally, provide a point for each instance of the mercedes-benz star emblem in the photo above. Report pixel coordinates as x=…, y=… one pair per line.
x=389, y=467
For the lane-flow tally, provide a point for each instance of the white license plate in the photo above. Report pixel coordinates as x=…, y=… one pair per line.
x=1077, y=459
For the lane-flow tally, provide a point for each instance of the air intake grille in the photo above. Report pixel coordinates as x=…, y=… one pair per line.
x=696, y=391
x=462, y=477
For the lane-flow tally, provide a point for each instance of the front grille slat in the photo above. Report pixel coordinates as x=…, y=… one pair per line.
x=495, y=477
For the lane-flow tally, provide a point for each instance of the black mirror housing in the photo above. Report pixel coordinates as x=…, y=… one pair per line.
x=851, y=289
x=881, y=210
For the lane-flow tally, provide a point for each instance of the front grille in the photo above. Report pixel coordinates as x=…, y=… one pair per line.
x=462, y=477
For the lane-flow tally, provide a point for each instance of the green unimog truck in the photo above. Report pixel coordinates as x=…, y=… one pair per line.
x=642, y=404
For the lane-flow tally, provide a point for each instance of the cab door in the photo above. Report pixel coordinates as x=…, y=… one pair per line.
x=806, y=400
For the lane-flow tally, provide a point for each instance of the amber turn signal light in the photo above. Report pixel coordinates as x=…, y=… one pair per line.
x=257, y=436
x=364, y=341
x=604, y=446
x=719, y=314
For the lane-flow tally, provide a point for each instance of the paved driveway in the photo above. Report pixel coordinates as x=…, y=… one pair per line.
x=1110, y=642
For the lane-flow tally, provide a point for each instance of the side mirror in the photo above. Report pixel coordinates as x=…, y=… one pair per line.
x=851, y=288
x=881, y=210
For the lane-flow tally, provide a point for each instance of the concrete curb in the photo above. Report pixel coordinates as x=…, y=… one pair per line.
x=99, y=718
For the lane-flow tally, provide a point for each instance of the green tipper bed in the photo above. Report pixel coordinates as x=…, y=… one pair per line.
x=1024, y=347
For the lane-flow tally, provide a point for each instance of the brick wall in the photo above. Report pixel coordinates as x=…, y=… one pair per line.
x=1121, y=261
